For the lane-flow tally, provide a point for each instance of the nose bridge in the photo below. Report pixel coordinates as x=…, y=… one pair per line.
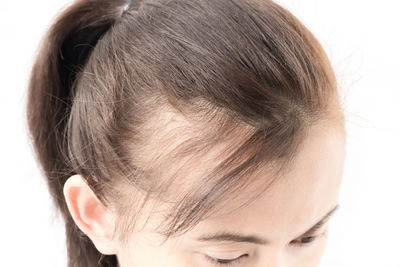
x=273, y=258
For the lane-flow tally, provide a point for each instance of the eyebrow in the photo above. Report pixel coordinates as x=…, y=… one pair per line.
x=238, y=237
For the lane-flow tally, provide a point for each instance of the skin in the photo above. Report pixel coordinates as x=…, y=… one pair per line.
x=281, y=215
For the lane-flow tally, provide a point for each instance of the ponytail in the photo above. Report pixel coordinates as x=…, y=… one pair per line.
x=62, y=54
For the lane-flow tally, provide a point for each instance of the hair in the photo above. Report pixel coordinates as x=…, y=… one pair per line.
x=134, y=100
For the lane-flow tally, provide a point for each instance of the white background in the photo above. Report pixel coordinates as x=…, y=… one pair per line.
x=362, y=41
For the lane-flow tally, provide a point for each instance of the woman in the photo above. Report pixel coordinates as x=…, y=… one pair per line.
x=187, y=133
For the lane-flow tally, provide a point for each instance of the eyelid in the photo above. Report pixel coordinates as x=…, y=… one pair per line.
x=231, y=249
x=228, y=261
x=226, y=256
x=297, y=241
x=321, y=230
x=315, y=231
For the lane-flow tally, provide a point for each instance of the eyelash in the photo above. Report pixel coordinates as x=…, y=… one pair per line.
x=231, y=262
x=313, y=238
x=228, y=262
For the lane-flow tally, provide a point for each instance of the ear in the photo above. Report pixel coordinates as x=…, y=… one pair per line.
x=90, y=215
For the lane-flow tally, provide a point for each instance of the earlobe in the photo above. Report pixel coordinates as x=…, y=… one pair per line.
x=89, y=214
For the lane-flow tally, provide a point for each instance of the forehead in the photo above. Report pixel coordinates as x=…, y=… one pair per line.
x=297, y=199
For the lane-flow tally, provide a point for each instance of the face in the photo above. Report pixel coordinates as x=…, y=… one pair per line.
x=276, y=229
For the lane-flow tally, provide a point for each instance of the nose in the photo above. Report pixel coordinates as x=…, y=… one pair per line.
x=273, y=259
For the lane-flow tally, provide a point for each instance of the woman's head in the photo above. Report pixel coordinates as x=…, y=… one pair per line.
x=178, y=112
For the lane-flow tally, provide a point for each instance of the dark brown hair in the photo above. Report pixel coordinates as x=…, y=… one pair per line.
x=133, y=101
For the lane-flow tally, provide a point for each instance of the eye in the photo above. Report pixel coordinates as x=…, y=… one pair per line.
x=226, y=262
x=306, y=240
